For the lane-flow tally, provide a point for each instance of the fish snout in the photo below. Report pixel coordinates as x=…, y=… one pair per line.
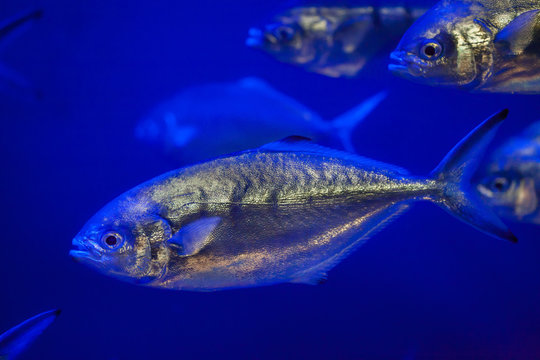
x=403, y=64
x=255, y=37
x=85, y=250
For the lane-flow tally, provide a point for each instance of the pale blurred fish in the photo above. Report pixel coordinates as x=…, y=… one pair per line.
x=209, y=120
x=10, y=80
x=333, y=40
x=481, y=46
x=288, y=211
x=512, y=181
x=17, y=339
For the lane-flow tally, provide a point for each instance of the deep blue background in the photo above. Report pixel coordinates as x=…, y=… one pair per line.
x=426, y=287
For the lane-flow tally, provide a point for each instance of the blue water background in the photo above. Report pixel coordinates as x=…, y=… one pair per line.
x=427, y=287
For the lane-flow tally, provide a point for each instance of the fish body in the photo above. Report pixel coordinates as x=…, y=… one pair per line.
x=512, y=181
x=215, y=119
x=15, y=340
x=335, y=41
x=286, y=212
x=9, y=29
x=480, y=46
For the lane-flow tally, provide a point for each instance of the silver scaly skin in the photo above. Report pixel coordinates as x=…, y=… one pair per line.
x=286, y=212
x=333, y=41
x=512, y=181
x=483, y=46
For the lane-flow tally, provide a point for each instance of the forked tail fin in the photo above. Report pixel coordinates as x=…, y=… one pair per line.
x=345, y=123
x=454, y=174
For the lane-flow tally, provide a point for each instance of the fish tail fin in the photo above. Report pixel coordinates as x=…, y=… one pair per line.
x=454, y=174
x=345, y=123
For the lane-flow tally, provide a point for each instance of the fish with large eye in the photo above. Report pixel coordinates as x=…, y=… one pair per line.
x=254, y=218
x=511, y=180
x=336, y=41
x=481, y=46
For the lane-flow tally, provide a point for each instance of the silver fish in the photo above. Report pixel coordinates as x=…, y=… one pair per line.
x=482, y=46
x=15, y=340
x=9, y=79
x=286, y=212
x=214, y=119
x=335, y=41
x=512, y=181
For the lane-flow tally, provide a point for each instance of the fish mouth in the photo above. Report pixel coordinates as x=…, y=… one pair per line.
x=86, y=251
x=255, y=37
x=403, y=65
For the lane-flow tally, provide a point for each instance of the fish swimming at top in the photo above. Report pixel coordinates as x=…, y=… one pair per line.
x=16, y=339
x=288, y=211
x=480, y=46
x=512, y=179
x=336, y=41
x=10, y=80
x=214, y=119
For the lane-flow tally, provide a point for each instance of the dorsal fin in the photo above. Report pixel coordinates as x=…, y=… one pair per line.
x=302, y=144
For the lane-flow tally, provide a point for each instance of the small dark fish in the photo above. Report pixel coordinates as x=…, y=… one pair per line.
x=512, y=183
x=17, y=339
x=483, y=46
x=286, y=212
x=214, y=119
x=9, y=29
x=335, y=41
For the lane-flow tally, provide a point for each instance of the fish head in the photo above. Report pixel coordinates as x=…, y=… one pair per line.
x=125, y=240
x=447, y=46
x=296, y=36
x=512, y=183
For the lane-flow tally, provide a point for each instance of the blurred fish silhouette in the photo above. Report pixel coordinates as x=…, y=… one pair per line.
x=214, y=119
x=10, y=81
x=17, y=339
x=335, y=41
x=512, y=183
x=286, y=212
x=483, y=45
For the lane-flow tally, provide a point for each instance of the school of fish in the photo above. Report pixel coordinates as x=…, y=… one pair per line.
x=245, y=209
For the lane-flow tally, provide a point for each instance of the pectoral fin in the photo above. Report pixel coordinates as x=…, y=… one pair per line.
x=521, y=35
x=191, y=238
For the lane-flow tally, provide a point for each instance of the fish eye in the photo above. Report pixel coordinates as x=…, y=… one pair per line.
x=500, y=184
x=284, y=33
x=431, y=50
x=112, y=240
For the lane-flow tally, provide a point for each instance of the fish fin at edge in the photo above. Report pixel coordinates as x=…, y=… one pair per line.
x=318, y=273
x=347, y=122
x=521, y=34
x=454, y=174
x=301, y=144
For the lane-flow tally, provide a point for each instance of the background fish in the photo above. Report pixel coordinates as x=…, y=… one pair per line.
x=512, y=183
x=9, y=29
x=15, y=340
x=214, y=119
x=336, y=40
x=485, y=45
x=254, y=218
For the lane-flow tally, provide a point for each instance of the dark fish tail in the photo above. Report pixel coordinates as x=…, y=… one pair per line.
x=457, y=196
x=16, y=339
x=11, y=25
